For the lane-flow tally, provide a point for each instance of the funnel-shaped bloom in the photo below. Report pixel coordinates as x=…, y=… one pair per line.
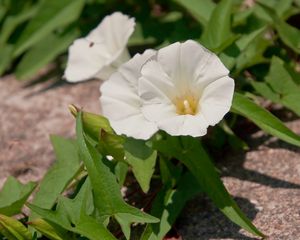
x=103, y=50
x=121, y=103
x=182, y=89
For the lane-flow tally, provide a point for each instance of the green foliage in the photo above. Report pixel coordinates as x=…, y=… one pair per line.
x=60, y=174
x=72, y=215
x=40, y=54
x=142, y=159
x=14, y=195
x=200, y=10
x=48, y=230
x=220, y=19
x=280, y=85
x=264, y=119
x=50, y=16
x=168, y=204
x=107, y=195
x=12, y=229
x=190, y=151
x=80, y=196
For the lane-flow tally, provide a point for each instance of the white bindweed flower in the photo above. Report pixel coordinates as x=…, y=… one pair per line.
x=102, y=51
x=181, y=89
x=120, y=101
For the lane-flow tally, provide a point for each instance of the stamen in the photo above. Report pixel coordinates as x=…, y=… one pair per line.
x=186, y=104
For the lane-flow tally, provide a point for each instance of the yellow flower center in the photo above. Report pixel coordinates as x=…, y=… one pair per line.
x=186, y=104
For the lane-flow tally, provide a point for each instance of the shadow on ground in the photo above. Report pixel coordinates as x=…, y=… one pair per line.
x=264, y=179
x=210, y=222
x=235, y=168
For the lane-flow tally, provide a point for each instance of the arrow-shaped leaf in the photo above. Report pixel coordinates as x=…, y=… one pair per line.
x=142, y=159
x=72, y=215
x=107, y=196
x=14, y=195
x=61, y=173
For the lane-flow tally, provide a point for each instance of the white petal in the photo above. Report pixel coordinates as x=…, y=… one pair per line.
x=134, y=126
x=216, y=100
x=105, y=72
x=119, y=99
x=169, y=58
x=184, y=125
x=85, y=60
x=166, y=118
x=190, y=65
x=120, y=102
x=155, y=86
x=131, y=70
x=102, y=51
x=111, y=67
x=212, y=70
x=114, y=31
x=159, y=112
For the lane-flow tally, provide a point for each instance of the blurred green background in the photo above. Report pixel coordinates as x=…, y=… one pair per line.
x=259, y=41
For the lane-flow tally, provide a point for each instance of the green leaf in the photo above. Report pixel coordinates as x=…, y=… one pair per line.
x=40, y=55
x=292, y=101
x=168, y=204
x=48, y=230
x=279, y=78
x=3, y=11
x=289, y=35
x=217, y=34
x=200, y=10
x=142, y=159
x=240, y=17
x=125, y=224
x=60, y=174
x=12, y=229
x=171, y=17
x=112, y=145
x=229, y=56
x=262, y=14
x=121, y=170
x=246, y=39
x=279, y=86
x=14, y=195
x=51, y=16
x=235, y=142
x=263, y=119
x=107, y=195
x=13, y=21
x=190, y=152
x=265, y=90
x=72, y=215
x=6, y=57
x=253, y=54
x=280, y=7
x=169, y=173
